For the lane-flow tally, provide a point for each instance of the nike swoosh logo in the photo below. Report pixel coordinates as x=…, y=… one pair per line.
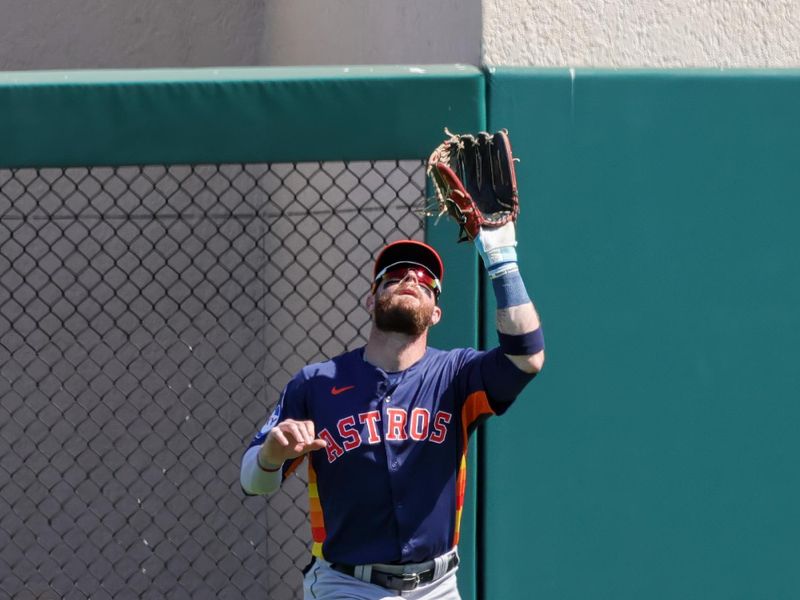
x=336, y=391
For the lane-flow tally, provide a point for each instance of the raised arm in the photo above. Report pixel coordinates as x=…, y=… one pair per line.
x=475, y=183
x=518, y=326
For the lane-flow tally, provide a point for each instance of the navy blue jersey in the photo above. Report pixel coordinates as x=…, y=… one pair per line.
x=389, y=486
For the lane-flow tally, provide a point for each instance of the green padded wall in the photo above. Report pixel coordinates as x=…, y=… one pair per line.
x=658, y=454
x=65, y=118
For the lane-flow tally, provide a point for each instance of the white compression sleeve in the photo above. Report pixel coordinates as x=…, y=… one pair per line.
x=254, y=479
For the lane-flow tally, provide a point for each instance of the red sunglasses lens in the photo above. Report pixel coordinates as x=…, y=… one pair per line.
x=423, y=277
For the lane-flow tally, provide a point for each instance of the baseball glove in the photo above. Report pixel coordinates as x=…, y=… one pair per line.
x=474, y=181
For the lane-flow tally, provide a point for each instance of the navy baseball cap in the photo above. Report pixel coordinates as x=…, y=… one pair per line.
x=409, y=252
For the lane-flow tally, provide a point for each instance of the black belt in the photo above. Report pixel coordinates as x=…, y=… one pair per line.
x=402, y=582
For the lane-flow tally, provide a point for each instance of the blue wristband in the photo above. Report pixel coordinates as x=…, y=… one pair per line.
x=525, y=344
x=509, y=289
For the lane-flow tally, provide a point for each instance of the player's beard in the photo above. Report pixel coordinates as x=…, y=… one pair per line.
x=400, y=317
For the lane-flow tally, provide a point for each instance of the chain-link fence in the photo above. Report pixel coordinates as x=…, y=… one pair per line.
x=149, y=317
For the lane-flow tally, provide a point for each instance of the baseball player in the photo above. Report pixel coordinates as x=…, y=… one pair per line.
x=385, y=428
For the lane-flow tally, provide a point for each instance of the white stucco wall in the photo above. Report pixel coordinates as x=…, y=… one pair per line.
x=88, y=34
x=643, y=33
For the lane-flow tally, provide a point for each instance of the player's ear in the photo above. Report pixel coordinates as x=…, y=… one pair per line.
x=436, y=316
x=369, y=302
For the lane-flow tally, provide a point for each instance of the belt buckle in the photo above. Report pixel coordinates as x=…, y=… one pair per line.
x=407, y=581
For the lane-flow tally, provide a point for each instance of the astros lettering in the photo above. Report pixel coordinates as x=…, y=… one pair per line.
x=399, y=428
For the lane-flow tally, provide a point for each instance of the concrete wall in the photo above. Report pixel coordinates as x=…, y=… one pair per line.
x=627, y=33
x=327, y=32
x=90, y=34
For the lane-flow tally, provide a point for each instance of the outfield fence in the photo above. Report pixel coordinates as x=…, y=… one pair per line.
x=149, y=317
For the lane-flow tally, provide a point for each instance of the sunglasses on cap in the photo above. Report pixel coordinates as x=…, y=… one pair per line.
x=395, y=273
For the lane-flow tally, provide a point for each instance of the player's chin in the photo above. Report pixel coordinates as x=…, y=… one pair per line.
x=399, y=317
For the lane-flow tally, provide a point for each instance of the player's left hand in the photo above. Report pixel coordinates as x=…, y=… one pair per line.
x=475, y=183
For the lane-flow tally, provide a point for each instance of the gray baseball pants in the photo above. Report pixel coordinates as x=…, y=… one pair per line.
x=323, y=583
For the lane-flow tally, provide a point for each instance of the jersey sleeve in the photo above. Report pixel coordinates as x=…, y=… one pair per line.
x=292, y=405
x=493, y=374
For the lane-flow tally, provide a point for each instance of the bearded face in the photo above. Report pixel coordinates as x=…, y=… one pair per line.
x=402, y=314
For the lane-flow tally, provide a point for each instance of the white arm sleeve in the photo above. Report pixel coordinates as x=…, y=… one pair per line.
x=254, y=479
